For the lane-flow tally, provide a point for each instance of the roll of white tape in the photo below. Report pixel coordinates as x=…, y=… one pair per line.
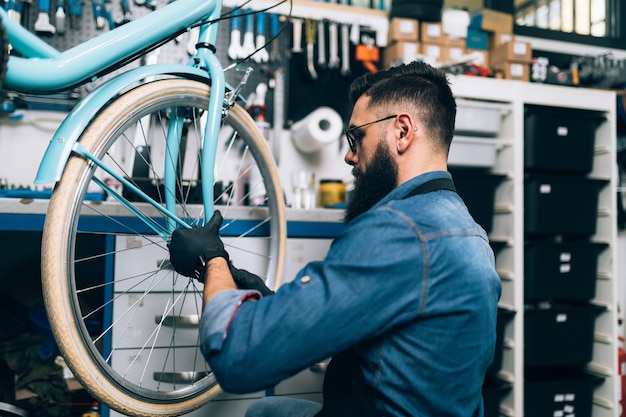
x=321, y=127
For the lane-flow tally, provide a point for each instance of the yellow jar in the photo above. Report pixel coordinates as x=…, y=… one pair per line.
x=331, y=193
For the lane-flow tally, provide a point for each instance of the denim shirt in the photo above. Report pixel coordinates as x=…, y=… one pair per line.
x=411, y=284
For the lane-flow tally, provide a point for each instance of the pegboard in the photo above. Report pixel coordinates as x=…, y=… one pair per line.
x=175, y=51
x=299, y=96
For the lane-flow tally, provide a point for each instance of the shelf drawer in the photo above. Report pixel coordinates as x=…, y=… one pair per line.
x=561, y=205
x=560, y=335
x=135, y=316
x=559, y=140
x=561, y=271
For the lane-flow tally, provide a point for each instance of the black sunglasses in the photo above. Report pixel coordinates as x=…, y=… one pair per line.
x=351, y=137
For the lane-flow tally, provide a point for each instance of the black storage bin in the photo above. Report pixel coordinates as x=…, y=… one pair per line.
x=494, y=389
x=477, y=189
x=504, y=316
x=559, y=140
x=564, y=271
x=559, y=392
x=560, y=335
x=561, y=205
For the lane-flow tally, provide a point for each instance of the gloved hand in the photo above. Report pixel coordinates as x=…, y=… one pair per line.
x=191, y=249
x=248, y=281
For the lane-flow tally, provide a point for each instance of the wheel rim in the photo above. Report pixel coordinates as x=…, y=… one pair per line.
x=85, y=299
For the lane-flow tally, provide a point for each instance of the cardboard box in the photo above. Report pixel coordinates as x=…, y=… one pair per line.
x=453, y=54
x=492, y=21
x=432, y=32
x=477, y=39
x=403, y=29
x=498, y=38
x=454, y=42
x=403, y=52
x=512, y=51
x=479, y=57
x=512, y=71
x=434, y=52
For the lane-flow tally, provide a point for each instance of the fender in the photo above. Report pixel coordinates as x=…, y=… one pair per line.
x=60, y=147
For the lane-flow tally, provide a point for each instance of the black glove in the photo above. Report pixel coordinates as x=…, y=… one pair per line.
x=191, y=249
x=248, y=281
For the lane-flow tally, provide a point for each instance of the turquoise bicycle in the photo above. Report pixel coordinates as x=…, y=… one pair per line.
x=150, y=149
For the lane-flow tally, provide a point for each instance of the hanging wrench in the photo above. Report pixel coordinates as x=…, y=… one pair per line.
x=345, y=50
x=235, y=36
x=261, y=55
x=248, y=47
x=297, y=35
x=333, y=46
x=321, y=44
x=310, y=28
x=274, y=30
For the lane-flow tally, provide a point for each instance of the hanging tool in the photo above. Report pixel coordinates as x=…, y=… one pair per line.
x=42, y=24
x=150, y=4
x=126, y=14
x=99, y=13
x=274, y=57
x=261, y=55
x=75, y=11
x=310, y=29
x=321, y=43
x=367, y=52
x=297, y=35
x=59, y=17
x=345, y=50
x=248, y=46
x=25, y=10
x=345, y=46
x=333, y=46
x=14, y=10
x=234, y=49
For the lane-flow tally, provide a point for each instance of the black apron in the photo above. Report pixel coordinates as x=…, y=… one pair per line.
x=345, y=392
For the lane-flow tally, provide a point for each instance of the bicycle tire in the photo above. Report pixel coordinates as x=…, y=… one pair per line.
x=78, y=241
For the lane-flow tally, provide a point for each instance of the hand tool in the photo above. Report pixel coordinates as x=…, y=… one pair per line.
x=333, y=46
x=274, y=31
x=25, y=10
x=126, y=14
x=75, y=10
x=99, y=13
x=248, y=47
x=14, y=10
x=261, y=55
x=297, y=35
x=345, y=50
x=42, y=24
x=321, y=43
x=345, y=46
x=310, y=29
x=59, y=17
x=234, y=49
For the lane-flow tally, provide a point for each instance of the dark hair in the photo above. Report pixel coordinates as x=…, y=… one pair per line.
x=422, y=87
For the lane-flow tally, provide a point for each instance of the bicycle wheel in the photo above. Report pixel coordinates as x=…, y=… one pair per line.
x=124, y=321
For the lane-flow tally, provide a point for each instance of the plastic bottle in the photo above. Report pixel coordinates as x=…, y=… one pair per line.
x=93, y=411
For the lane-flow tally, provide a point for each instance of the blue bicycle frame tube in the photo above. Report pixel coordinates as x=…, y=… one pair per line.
x=51, y=70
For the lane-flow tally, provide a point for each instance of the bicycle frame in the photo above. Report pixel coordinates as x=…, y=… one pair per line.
x=44, y=70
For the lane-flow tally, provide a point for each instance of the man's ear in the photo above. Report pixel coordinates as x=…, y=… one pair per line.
x=408, y=131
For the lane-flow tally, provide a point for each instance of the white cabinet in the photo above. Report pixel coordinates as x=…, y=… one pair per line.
x=508, y=227
x=141, y=352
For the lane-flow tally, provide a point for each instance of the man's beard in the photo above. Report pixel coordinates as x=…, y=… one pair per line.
x=378, y=179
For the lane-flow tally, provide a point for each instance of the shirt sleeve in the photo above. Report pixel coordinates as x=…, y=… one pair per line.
x=355, y=294
x=221, y=309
